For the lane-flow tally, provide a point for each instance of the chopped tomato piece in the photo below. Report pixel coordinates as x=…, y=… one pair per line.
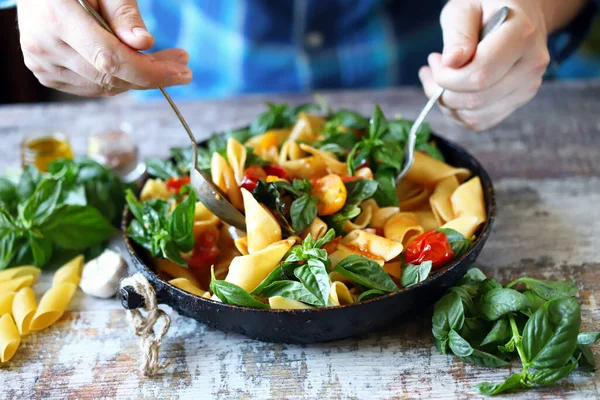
x=431, y=246
x=276, y=170
x=252, y=175
x=330, y=193
x=333, y=245
x=350, y=178
x=174, y=184
x=204, y=254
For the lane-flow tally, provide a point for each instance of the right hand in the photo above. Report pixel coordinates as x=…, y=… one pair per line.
x=68, y=50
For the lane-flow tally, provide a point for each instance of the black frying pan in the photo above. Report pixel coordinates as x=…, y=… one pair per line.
x=325, y=324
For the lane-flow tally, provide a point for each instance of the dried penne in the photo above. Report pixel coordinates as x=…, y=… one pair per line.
x=52, y=305
x=188, y=286
x=9, y=338
x=18, y=272
x=16, y=284
x=6, y=300
x=70, y=272
x=23, y=309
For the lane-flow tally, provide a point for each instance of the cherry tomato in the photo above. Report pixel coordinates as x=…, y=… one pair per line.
x=204, y=254
x=350, y=178
x=174, y=184
x=330, y=193
x=276, y=170
x=431, y=246
x=252, y=175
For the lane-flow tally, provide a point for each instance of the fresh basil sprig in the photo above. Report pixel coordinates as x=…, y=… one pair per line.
x=279, y=116
x=366, y=272
x=230, y=293
x=162, y=234
x=487, y=324
x=357, y=191
x=303, y=210
x=413, y=274
x=459, y=244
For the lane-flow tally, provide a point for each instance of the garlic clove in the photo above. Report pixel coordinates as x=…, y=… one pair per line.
x=101, y=276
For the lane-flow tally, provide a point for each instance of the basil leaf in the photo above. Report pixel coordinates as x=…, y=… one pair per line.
x=501, y=301
x=458, y=345
x=232, y=294
x=551, y=375
x=253, y=159
x=535, y=301
x=588, y=338
x=474, y=330
x=370, y=294
x=548, y=290
x=378, y=124
x=291, y=290
x=8, y=194
x=77, y=227
x=181, y=223
x=315, y=279
x=350, y=119
x=339, y=143
x=490, y=389
x=274, y=276
x=474, y=275
x=366, y=273
x=138, y=233
x=30, y=178
x=162, y=169
x=459, y=244
x=488, y=285
x=550, y=335
x=135, y=206
x=274, y=118
x=42, y=203
x=8, y=240
x=169, y=250
x=431, y=150
x=386, y=196
x=467, y=300
x=390, y=154
x=500, y=333
x=484, y=359
x=586, y=357
x=413, y=274
x=303, y=212
x=41, y=249
x=358, y=191
x=448, y=314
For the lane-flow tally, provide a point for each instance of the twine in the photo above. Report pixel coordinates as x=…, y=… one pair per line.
x=143, y=326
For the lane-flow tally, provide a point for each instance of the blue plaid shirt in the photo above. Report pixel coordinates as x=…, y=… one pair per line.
x=249, y=46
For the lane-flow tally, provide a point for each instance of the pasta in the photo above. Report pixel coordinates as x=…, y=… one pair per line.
x=70, y=272
x=9, y=338
x=185, y=284
x=263, y=229
x=23, y=309
x=18, y=272
x=15, y=284
x=52, y=305
x=6, y=300
x=326, y=223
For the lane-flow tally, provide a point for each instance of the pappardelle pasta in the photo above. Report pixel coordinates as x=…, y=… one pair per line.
x=326, y=223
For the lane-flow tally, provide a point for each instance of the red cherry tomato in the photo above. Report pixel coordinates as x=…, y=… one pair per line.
x=431, y=246
x=350, y=178
x=252, y=175
x=204, y=254
x=174, y=184
x=276, y=170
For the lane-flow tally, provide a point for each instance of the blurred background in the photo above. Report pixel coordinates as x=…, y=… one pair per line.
x=18, y=85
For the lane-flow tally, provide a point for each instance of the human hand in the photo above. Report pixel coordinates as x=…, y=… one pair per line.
x=68, y=50
x=486, y=82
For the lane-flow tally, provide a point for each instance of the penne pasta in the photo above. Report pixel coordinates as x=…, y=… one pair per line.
x=23, y=309
x=6, y=300
x=364, y=218
x=369, y=243
x=155, y=189
x=411, y=196
x=236, y=156
x=440, y=199
x=70, y=272
x=185, y=284
x=290, y=151
x=428, y=171
x=266, y=146
x=174, y=271
x=15, y=284
x=382, y=215
x=203, y=220
x=17, y=272
x=303, y=130
x=52, y=305
x=309, y=167
x=427, y=220
x=281, y=303
x=403, y=227
x=261, y=226
x=222, y=176
x=342, y=251
x=317, y=229
x=394, y=269
x=9, y=338
x=467, y=200
x=335, y=276
x=249, y=271
x=339, y=295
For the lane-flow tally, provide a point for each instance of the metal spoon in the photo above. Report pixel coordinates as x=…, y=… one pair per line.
x=208, y=193
x=494, y=23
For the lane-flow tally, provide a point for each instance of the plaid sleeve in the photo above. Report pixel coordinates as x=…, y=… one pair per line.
x=7, y=3
x=564, y=42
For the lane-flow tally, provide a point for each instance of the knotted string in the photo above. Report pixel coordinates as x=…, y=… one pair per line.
x=143, y=326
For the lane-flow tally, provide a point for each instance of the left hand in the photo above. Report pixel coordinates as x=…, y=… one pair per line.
x=486, y=82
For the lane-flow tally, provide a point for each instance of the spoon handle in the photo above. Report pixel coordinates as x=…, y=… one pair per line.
x=494, y=23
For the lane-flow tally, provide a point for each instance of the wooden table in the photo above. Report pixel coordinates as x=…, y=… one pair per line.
x=546, y=164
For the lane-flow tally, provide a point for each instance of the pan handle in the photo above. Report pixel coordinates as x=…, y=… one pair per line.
x=130, y=299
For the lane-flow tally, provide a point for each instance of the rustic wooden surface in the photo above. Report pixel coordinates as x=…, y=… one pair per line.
x=546, y=164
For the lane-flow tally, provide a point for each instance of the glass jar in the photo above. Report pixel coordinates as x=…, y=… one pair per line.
x=41, y=147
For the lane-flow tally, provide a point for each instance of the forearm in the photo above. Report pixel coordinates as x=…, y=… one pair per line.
x=558, y=13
